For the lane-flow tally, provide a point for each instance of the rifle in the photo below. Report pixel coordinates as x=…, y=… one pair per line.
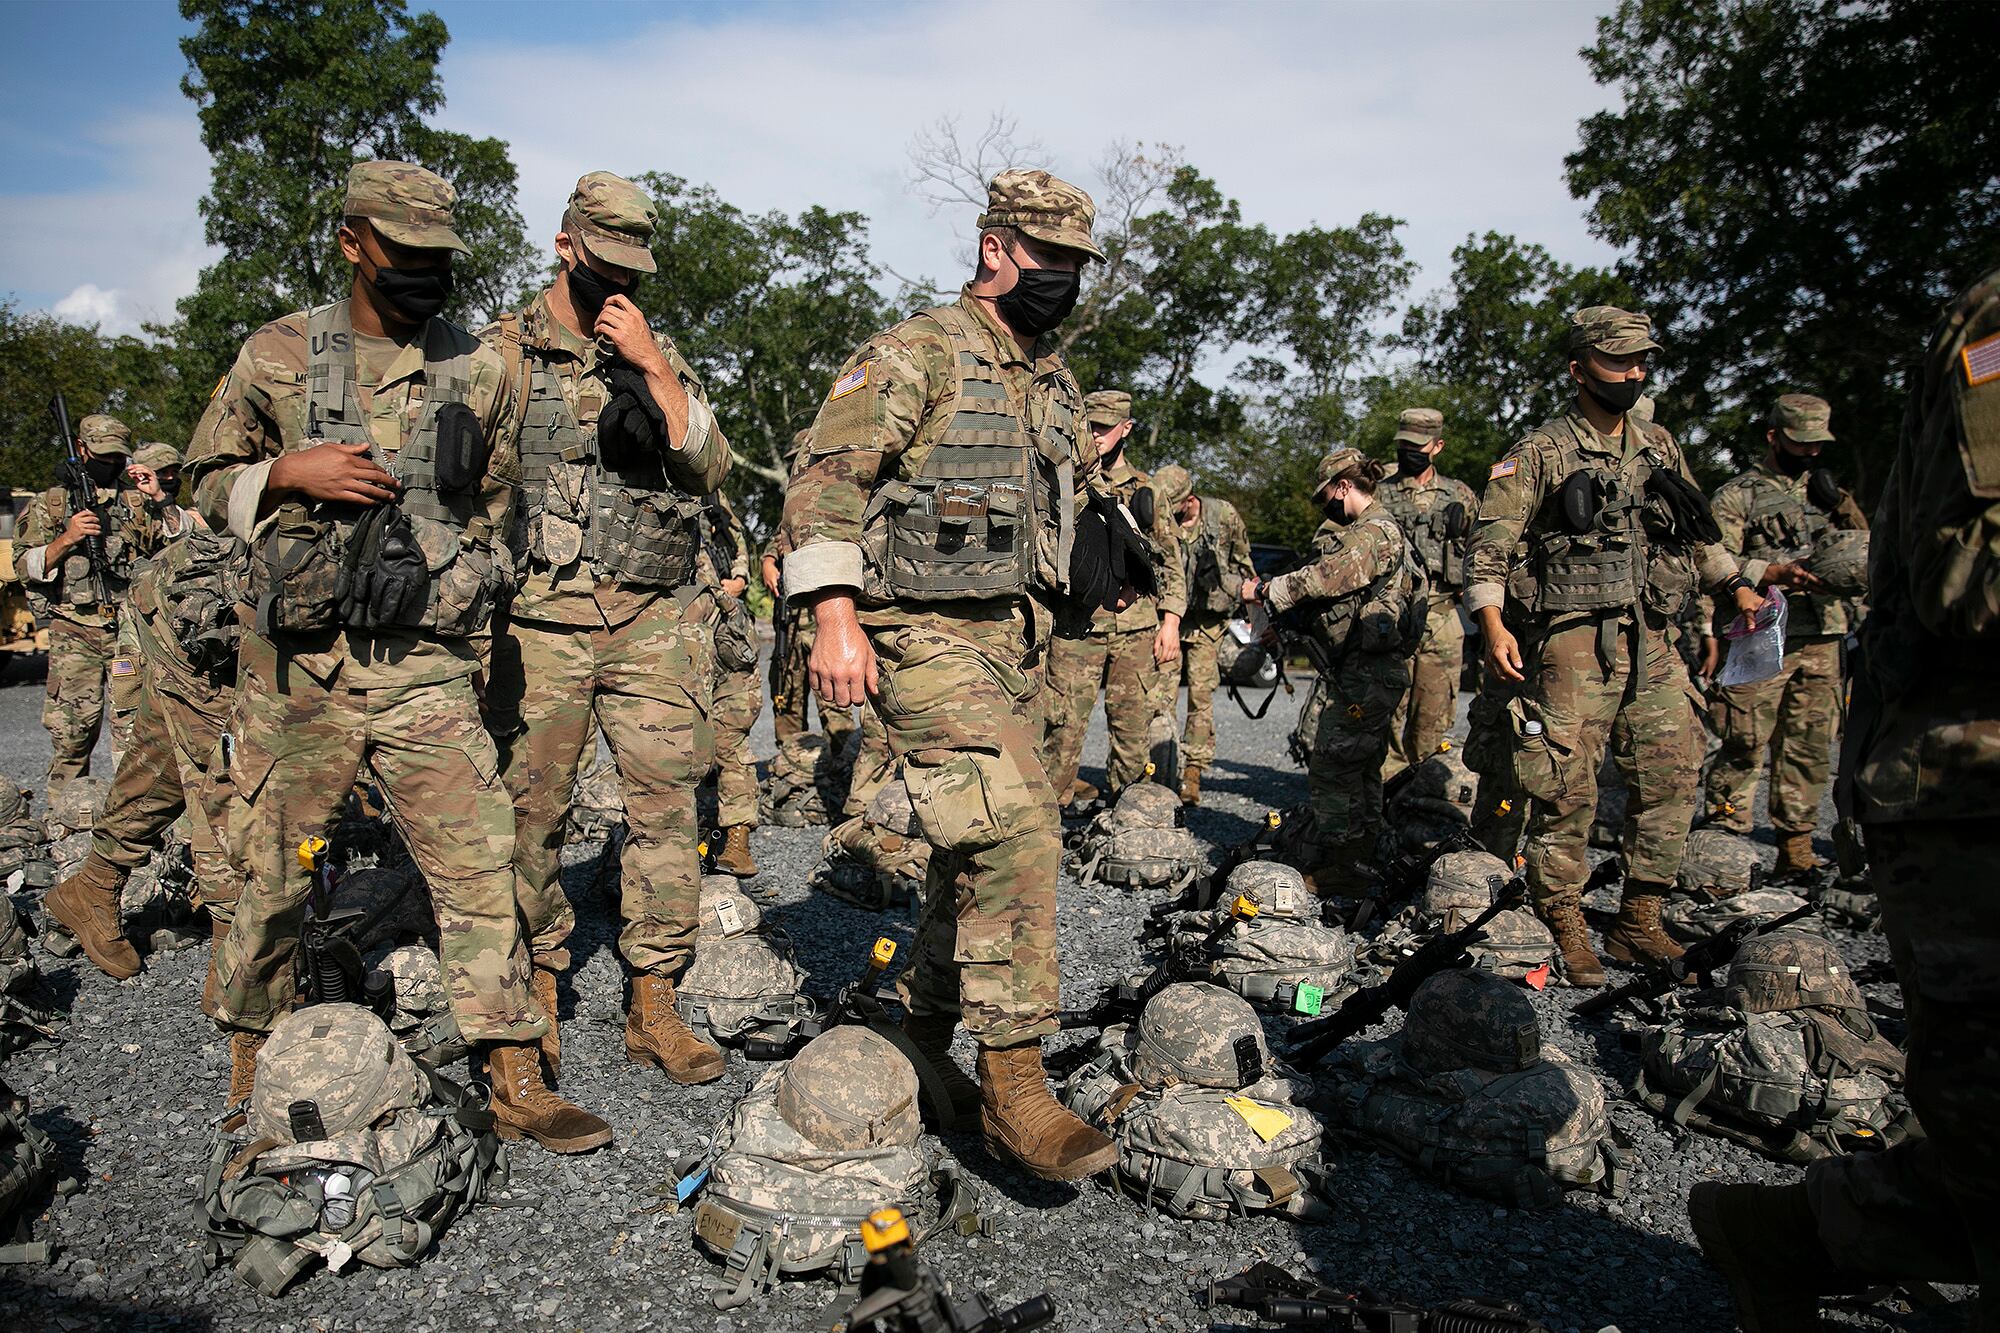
x=1700, y=959
x=1297, y=1302
x=1311, y=1041
x=1121, y=1001
x=1406, y=875
x=1397, y=785
x=82, y=495
x=329, y=962
x=899, y=1295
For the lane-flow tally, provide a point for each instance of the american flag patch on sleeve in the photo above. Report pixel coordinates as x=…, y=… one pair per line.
x=1504, y=468
x=1982, y=360
x=849, y=382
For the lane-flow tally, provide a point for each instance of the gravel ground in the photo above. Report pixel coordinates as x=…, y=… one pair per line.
x=129, y=1094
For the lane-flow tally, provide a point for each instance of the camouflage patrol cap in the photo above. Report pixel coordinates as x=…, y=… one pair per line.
x=1719, y=864
x=1336, y=463
x=1461, y=886
x=1803, y=417
x=1420, y=425
x=1278, y=890
x=409, y=205
x=1467, y=1019
x=1042, y=206
x=1606, y=328
x=1172, y=484
x=1193, y=1032
x=850, y=1089
x=1107, y=407
x=157, y=456
x=1840, y=559
x=104, y=434
x=614, y=220
x=1787, y=970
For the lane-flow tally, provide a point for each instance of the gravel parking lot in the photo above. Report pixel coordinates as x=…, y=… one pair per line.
x=129, y=1094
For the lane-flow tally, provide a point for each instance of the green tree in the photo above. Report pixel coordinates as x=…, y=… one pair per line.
x=1797, y=185
x=291, y=93
x=39, y=355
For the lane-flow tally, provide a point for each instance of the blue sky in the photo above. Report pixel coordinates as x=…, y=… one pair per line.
x=1453, y=115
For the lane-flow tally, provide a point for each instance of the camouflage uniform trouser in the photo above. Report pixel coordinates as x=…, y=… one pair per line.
x=1344, y=776
x=81, y=657
x=636, y=682
x=1427, y=709
x=295, y=748
x=792, y=703
x=1135, y=692
x=1201, y=640
x=1924, y=1209
x=1500, y=809
x=873, y=766
x=957, y=711
x=1578, y=701
x=1794, y=718
x=738, y=697
x=170, y=765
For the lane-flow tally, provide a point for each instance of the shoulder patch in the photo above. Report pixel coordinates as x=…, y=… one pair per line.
x=1506, y=467
x=849, y=382
x=1981, y=361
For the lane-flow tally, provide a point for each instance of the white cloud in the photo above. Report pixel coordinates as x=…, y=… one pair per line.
x=91, y=304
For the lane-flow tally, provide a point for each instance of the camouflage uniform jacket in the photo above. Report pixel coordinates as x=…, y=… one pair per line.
x=1765, y=518
x=1215, y=558
x=724, y=536
x=1419, y=509
x=1125, y=481
x=880, y=423
x=1517, y=507
x=1362, y=571
x=1926, y=727
x=574, y=594
x=258, y=413
x=134, y=528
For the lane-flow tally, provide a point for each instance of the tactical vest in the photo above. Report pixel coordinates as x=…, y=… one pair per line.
x=1384, y=615
x=989, y=511
x=75, y=587
x=637, y=527
x=1201, y=559
x=296, y=562
x=196, y=584
x=1613, y=565
x=1781, y=526
x=1440, y=553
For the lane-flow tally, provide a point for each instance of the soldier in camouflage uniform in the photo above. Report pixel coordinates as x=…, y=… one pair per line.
x=1215, y=559
x=1612, y=524
x=1361, y=599
x=931, y=525
x=80, y=610
x=739, y=694
x=181, y=613
x=1921, y=769
x=365, y=450
x=1770, y=517
x=610, y=623
x=1436, y=513
x=155, y=472
x=1134, y=652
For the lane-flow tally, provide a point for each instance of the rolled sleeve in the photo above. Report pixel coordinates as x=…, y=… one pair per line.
x=245, y=497
x=33, y=565
x=1479, y=596
x=830, y=564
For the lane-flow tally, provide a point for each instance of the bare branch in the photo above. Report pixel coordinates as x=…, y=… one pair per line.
x=948, y=171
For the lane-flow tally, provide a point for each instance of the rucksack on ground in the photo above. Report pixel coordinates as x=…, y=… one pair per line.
x=25, y=862
x=812, y=1148
x=1469, y=1094
x=1436, y=803
x=30, y=1173
x=1784, y=1059
x=1690, y=919
x=1208, y=1125
x=421, y=1019
x=351, y=1151
x=1139, y=843
x=1719, y=864
x=28, y=1012
x=878, y=858
x=742, y=986
x=1282, y=958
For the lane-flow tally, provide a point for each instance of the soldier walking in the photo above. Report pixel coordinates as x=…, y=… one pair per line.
x=1215, y=559
x=929, y=524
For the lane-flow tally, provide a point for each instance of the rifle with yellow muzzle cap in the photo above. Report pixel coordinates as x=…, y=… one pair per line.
x=900, y=1295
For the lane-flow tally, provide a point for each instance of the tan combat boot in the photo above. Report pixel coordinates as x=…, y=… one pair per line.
x=735, y=858
x=1636, y=937
x=1795, y=855
x=1081, y=793
x=1581, y=967
x=1191, y=785
x=523, y=1106
x=931, y=1034
x=1765, y=1241
x=243, y=1048
x=544, y=982
x=655, y=1034
x=1020, y=1118
x=86, y=905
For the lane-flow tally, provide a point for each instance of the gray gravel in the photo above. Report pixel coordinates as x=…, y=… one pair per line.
x=129, y=1095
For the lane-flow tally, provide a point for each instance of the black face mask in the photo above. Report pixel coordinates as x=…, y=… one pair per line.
x=1789, y=463
x=1040, y=299
x=1336, y=511
x=105, y=472
x=1616, y=395
x=1412, y=460
x=416, y=294
x=589, y=289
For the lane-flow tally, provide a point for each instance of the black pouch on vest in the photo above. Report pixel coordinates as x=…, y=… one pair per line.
x=1823, y=490
x=1142, y=508
x=1581, y=497
x=462, y=452
x=631, y=430
x=1092, y=581
x=386, y=582
x=1457, y=522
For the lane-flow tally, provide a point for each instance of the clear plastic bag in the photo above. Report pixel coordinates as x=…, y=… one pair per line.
x=1756, y=647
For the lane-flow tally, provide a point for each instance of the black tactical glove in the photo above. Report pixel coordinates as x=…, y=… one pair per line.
x=1690, y=518
x=1457, y=522
x=385, y=581
x=1092, y=582
x=462, y=452
x=1823, y=490
x=631, y=430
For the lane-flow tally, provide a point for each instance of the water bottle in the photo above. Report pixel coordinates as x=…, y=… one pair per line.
x=337, y=1213
x=1531, y=728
